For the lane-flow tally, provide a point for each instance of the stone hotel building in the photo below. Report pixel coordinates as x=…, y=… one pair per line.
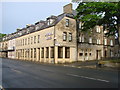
x=59, y=39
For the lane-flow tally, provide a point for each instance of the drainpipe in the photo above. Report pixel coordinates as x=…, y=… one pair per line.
x=54, y=44
x=77, y=39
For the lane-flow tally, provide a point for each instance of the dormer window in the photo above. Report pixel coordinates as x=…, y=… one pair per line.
x=67, y=22
x=50, y=21
x=36, y=28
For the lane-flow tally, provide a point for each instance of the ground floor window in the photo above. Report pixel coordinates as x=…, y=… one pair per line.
x=31, y=53
x=23, y=53
x=28, y=53
x=60, y=52
x=38, y=53
x=105, y=53
x=90, y=54
x=52, y=52
x=47, y=52
x=85, y=54
x=67, y=52
x=111, y=53
x=34, y=52
x=80, y=54
x=42, y=53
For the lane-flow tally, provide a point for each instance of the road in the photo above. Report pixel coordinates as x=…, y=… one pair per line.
x=24, y=74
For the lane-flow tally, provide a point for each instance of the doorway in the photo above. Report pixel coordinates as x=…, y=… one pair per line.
x=98, y=54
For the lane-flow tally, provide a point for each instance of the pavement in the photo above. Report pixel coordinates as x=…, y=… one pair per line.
x=90, y=64
x=24, y=74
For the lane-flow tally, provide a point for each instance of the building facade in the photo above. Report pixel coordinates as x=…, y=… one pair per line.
x=11, y=48
x=54, y=44
x=4, y=49
x=59, y=39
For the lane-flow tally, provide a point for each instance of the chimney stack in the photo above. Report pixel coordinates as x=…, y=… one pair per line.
x=67, y=8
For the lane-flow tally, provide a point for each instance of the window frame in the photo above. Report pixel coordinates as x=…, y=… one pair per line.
x=42, y=52
x=105, y=41
x=90, y=39
x=67, y=52
x=70, y=37
x=111, y=42
x=34, y=39
x=47, y=52
x=64, y=36
x=67, y=22
x=52, y=52
x=38, y=38
x=60, y=52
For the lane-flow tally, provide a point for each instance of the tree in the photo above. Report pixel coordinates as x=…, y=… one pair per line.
x=2, y=35
x=99, y=13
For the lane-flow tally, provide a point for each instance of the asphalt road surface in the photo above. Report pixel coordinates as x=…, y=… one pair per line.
x=24, y=74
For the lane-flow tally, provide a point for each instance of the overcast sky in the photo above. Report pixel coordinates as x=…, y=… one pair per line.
x=18, y=14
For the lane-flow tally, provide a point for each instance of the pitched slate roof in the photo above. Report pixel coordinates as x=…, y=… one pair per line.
x=56, y=20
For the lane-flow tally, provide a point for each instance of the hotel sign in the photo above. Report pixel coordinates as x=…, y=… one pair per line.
x=48, y=36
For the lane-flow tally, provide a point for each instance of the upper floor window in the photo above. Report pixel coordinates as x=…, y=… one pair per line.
x=34, y=39
x=90, y=40
x=70, y=36
x=23, y=42
x=20, y=43
x=111, y=42
x=67, y=22
x=64, y=36
x=31, y=40
x=81, y=38
x=28, y=41
x=98, y=41
x=98, y=29
x=105, y=41
x=38, y=38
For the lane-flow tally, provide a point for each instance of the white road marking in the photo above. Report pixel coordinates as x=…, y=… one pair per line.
x=66, y=65
x=16, y=70
x=73, y=66
x=88, y=78
x=46, y=70
x=79, y=67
